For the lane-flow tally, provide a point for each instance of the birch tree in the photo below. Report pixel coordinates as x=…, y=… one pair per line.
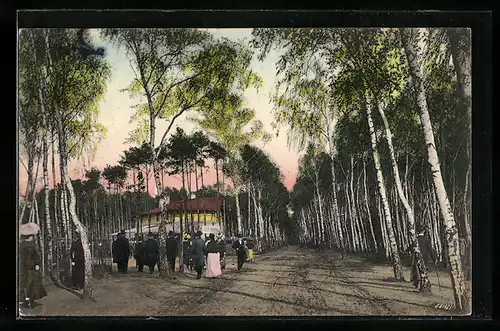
x=410, y=39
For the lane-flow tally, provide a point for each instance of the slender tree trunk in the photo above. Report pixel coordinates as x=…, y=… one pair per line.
x=336, y=209
x=457, y=277
x=398, y=269
x=460, y=46
x=375, y=244
x=238, y=210
x=40, y=238
x=320, y=209
x=249, y=210
x=49, y=236
x=425, y=284
x=197, y=192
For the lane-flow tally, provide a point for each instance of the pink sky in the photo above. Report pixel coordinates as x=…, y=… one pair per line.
x=116, y=112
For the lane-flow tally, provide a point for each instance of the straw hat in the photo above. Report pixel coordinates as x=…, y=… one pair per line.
x=29, y=229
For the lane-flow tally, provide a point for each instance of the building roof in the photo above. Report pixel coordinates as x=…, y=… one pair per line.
x=190, y=206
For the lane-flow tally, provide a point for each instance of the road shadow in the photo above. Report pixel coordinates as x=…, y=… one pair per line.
x=281, y=301
x=354, y=296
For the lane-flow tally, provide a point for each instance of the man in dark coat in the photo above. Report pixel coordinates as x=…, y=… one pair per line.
x=239, y=247
x=424, y=242
x=30, y=277
x=187, y=245
x=172, y=249
x=77, y=263
x=121, y=252
x=198, y=253
x=151, y=253
x=139, y=253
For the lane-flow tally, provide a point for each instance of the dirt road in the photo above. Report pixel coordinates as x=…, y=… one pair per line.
x=288, y=282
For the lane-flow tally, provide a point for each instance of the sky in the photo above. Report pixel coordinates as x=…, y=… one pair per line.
x=116, y=110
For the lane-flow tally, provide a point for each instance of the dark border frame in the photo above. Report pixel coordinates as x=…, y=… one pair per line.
x=479, y=22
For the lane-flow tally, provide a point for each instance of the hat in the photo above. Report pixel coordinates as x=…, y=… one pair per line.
x=29, y=229
x=199, y=233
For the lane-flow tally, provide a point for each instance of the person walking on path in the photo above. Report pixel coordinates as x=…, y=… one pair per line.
x=139, y=253
x=250, y=246
x=121, y=252
x=187, y=246
x=198, y=254
x=77, y=263
x=30, y=277
x=239, y=247
x=151, y=253
x=172, y=249
x=213, y=257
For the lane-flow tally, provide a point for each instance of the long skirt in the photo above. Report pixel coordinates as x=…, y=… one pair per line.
x=213, y=265
x=31, y=285
x=250, y=254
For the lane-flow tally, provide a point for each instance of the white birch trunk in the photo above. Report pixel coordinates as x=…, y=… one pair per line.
x=457, y=277
x=368, y=211
x=398, y=269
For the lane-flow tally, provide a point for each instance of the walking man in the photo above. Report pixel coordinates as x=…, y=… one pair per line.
x=77, y=263
x=151, y=255
x=139, y=253
x=121, y=252
x=239, y=247
x=198, y=253
x=172, y=249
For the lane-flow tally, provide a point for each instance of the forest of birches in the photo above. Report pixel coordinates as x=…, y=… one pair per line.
x=382, y=117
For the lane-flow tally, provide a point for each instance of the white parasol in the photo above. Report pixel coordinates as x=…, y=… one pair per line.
x=29, y=229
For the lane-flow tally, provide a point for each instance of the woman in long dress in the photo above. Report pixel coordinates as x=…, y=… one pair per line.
x=213, y=258
x=30, y=277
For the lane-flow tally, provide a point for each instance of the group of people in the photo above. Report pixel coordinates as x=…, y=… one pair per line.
x=208, y=255
x=198, y=254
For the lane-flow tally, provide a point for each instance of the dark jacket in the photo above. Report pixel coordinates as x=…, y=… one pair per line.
x=239, y=248
x=151, y=251
x=121, y=249
x=172, y=247
x=198, y=252
x=211, y=247
x=76, y=252
x=139, y=252
x=187, y=247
